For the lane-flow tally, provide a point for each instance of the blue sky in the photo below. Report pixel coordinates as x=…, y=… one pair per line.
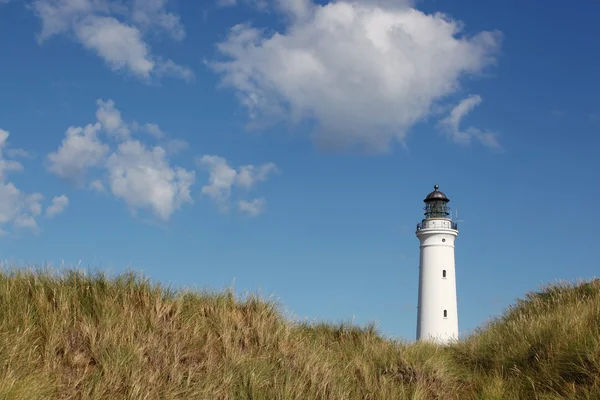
x=286, y=147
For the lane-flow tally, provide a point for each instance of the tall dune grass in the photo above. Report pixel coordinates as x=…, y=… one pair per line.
x=72, y=335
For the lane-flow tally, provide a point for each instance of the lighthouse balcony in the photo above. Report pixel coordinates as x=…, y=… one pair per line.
x=437, y=224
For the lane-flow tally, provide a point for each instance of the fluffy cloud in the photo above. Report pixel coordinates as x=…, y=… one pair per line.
x=143, y=178
x=151, y=13
x=253, y=207
x=153, y=130
x=19, y=208
x=451, y=125
x=114, y=32
x=110, y=119
x=119, y=45
x=172, y=146
x=297, y=9
x=362, y=73
x=223, y=177
x=175, y=146
x=80, y=150
x=6, y=165
x=97, y=185
x=59, y=203
x=16, y=208
x=249, y=175
x=140, y=176
x=109, y=156
x=260, y=5
x=19, y=153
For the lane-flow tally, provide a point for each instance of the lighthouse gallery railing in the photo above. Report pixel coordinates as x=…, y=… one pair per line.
x=437, y=224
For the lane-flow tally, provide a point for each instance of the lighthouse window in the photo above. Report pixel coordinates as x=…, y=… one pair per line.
x=445, y=313
x=443, y=240
x=443, y=273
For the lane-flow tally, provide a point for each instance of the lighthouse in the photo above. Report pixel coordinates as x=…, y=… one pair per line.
x=437, y=315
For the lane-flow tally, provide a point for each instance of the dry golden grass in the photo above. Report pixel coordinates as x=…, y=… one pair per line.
x=69, y=335
x=547, y=346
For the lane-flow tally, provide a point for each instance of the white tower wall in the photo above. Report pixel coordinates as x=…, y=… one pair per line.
x=437, y=310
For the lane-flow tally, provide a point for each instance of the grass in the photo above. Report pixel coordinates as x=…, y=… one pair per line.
x=71, y=335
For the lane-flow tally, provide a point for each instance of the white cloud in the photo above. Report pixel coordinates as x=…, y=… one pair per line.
x=142, y=175
x=19, y=153
x=33, y=203
x=120, y=45
x=80, y=150
x=248, y=175
x=154, y=130
x=16, y=208
x=363, y=73
x=226, y=3
x=59, y=203
x=297, y=9
x=19, y=208
x=169, y=68
x=113, y=124
x=152, y=13
x=172, y=146
x=59, y=16
x=261, y=5
x=253, y=207
x=7, y=165
x=24, y=221
x=143, y=178
x=176, y=146
x=98, y=186
x=112, y=31
x=451, y=125
x=222, y=178
x=110, y=119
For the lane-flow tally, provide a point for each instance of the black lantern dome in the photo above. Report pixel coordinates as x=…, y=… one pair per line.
x=436, y=204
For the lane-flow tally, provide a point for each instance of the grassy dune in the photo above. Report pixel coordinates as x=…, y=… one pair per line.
x=74, y=336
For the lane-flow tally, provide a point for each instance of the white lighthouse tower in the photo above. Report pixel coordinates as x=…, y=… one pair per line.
x=437, y=318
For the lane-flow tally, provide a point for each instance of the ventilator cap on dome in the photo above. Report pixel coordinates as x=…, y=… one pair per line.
x=436, y=195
